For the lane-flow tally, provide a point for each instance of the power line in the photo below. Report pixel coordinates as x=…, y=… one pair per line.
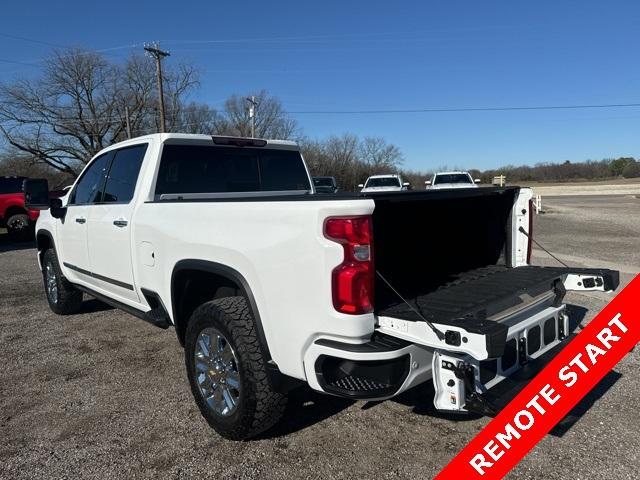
x=15, y=62
x=84, y=51
x=31, y=40
x=462, y=109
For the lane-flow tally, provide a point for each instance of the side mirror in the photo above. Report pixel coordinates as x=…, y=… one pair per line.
x=361, y=185
x=56, y=208
x=427, y=182
x=406, y=184
x=477, y=180
x=36, y=193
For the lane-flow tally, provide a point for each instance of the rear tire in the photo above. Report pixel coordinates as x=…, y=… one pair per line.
x=63, y=297
x=255, y=406
x=19, y=227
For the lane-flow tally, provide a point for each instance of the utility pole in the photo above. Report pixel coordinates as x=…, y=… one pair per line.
x=253, y=105
x=153, y=50
x=127, y=120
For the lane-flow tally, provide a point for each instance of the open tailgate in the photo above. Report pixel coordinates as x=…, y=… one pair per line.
x=492, y=322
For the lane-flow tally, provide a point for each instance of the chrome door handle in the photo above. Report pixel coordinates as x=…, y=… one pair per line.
x=120, y=223
x=81, y=220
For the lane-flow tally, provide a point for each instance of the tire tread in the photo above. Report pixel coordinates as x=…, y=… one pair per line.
x=262, y=407
x=69, y=297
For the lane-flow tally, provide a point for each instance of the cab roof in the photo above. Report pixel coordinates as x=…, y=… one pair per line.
x=188, y=138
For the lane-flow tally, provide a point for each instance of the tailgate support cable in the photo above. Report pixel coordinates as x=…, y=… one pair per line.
x=433, y=328
x=522, y=230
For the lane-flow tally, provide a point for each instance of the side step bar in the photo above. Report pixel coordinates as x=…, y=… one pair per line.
x=157, y=316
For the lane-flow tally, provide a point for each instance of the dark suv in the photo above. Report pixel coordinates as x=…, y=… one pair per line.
x=325, y=184
x=14, y=216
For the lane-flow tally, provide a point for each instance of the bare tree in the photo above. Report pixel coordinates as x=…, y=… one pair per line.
x=379, y=154
x=13, y=163
x=271, y=119
x=77, y=107
x=195, y=118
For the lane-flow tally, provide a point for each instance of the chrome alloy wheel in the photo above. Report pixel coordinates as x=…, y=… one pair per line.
x=216, y=368
x=51, y=283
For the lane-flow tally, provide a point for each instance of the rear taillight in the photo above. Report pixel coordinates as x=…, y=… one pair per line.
x=530, y=236
x=352, y=280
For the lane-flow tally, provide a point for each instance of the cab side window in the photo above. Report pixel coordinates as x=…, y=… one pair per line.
x=89, y=187
x=123, y=174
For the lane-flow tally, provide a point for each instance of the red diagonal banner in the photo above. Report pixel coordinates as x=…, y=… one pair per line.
x=553, y=392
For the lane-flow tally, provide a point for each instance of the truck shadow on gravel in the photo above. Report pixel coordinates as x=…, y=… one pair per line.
x=7, y=244
x=585, y=404
x=577, y=316
x=304, y=409
x=92, y=305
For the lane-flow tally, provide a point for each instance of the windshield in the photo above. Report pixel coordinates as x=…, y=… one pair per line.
x=452, y=178
x=383, y=182
x=323, y=182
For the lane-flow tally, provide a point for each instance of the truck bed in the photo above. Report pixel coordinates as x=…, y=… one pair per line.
x=478, y=295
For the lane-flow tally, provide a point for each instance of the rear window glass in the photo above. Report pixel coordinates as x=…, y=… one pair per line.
x=452, y=178
x=209, y=169
x=11, y=184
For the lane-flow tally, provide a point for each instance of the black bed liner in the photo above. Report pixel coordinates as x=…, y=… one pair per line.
x=471, y=297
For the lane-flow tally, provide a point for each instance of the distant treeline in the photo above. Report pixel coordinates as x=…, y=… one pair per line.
x=351, y=160
x=567, y=171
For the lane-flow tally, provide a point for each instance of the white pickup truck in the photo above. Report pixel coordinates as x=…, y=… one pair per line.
x=442, y=180
x=269, y=286
x=384, y=183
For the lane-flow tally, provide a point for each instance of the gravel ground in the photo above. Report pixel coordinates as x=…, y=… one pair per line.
x=586, y=189
x=104, y=395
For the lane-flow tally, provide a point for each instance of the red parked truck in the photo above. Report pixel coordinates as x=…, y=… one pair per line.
x=14, y=216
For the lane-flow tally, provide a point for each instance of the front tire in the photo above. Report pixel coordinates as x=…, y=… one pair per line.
x=63, y=297
x=227, y=370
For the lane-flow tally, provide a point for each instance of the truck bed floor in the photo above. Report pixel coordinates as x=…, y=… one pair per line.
x=478, y=294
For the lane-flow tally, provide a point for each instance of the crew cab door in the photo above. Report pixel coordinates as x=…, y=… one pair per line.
x=72, y=230
x=109, y=232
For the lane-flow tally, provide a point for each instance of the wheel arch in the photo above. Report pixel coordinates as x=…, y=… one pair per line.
x=44, y=241
x=15, y=209
x=219, y=277
x=221, y=280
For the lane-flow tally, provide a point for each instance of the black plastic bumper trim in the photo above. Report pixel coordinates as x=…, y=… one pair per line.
x=361, y=379
x=379, y=343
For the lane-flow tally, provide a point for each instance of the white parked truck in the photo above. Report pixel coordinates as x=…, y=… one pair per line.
x=269, y=286
x=384, y=183
x=441, y=180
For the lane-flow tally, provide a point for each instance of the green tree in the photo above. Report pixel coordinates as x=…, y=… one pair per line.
x=631, y=170
x=617, y=166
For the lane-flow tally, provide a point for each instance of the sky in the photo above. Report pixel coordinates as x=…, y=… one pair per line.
x=337, y=56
